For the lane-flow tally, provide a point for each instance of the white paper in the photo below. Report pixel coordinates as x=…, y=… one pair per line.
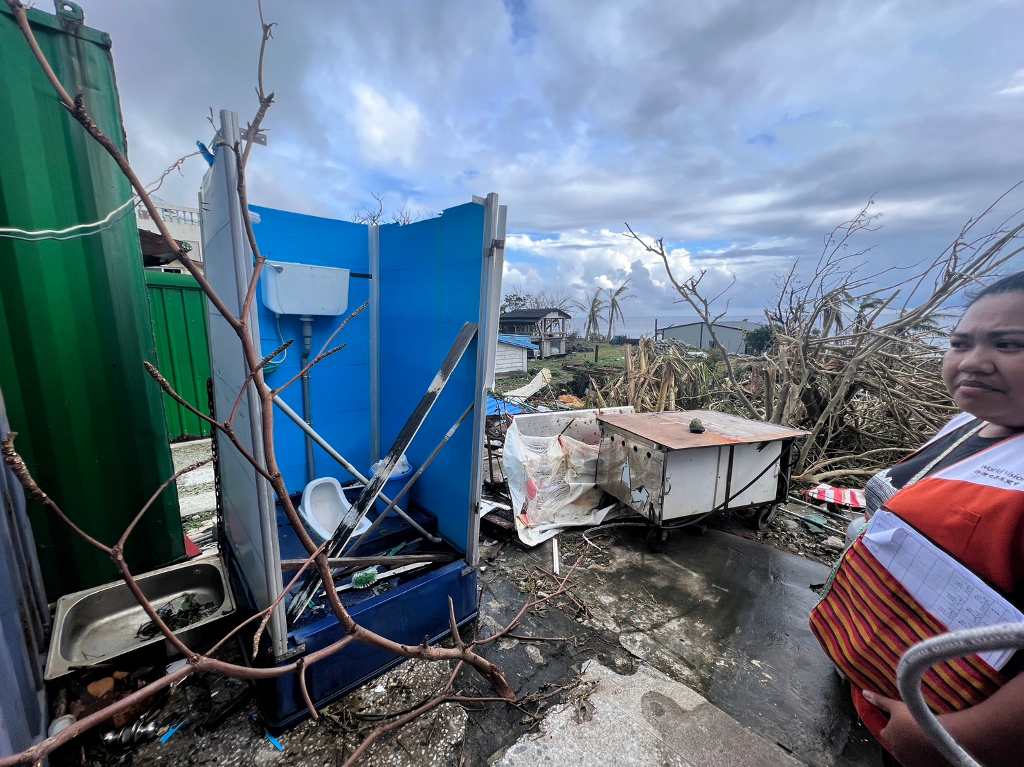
x=943, y=586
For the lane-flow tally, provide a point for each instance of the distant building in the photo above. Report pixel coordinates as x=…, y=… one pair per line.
x=547, y=328
x=183, y=224
x=510, y=357
x=731, y=334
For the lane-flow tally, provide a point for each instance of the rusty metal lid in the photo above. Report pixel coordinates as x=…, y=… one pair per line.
x=671, y=430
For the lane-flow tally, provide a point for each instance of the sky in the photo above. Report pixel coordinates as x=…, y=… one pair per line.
x=740, y=131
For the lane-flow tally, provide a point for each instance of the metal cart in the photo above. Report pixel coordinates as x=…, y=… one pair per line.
x=674, y=476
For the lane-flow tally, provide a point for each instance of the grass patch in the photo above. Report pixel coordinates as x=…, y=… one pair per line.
x=563, y=369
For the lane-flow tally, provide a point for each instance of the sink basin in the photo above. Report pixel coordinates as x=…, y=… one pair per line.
x=98, y=624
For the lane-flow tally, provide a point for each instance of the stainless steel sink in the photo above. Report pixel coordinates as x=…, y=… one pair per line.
x=101, y=623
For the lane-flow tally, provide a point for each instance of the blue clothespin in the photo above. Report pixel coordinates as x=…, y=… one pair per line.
x=170, y=732
x=271, y=738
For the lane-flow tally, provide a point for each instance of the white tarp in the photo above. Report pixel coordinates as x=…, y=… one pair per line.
x=551, y=462
x=539, y=381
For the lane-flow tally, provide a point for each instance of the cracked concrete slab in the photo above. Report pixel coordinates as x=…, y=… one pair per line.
x=642, y=719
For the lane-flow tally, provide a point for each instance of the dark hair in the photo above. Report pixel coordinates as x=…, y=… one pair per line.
x=1013, y=283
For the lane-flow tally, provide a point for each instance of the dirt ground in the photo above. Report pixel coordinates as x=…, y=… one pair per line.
x=564, y=369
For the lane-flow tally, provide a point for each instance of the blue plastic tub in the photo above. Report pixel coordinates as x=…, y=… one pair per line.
x=393, y=487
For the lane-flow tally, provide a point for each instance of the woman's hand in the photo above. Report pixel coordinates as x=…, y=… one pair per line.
x=908, y=743
x=991, y=731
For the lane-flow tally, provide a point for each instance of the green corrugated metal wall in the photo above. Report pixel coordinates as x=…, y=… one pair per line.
x=74, y=317
x=182, y=347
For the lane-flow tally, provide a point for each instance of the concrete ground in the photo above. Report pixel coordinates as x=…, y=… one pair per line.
x=195, y=489
x=727, y=618
x=697, y=656
x=641, y=719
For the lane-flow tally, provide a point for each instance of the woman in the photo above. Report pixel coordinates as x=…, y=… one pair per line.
x=964, y=491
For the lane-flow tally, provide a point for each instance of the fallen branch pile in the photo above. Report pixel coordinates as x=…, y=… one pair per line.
x=852, y=360
x=659, y=376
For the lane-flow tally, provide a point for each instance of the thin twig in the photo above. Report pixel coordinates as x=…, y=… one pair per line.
x=174, y=478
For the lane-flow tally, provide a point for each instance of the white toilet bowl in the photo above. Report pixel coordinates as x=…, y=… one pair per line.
x=323, y=507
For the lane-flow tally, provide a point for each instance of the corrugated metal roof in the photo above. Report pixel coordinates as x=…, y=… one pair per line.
x=502, y=407
x=533, y=314
x=513, y=340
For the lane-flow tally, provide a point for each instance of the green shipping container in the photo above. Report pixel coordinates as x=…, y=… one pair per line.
x=74, y=318
x=182, y=348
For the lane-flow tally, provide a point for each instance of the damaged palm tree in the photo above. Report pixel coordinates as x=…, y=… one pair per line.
x=854, y=364
x=262, y=458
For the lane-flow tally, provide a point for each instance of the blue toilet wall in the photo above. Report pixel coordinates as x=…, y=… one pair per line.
x=429, y=283
x=429, y=287
x=340, y=385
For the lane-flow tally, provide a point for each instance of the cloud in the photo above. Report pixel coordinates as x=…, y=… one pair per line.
x=388, y=131
x=1016, y=86
x=739, y=131
x=579, y=262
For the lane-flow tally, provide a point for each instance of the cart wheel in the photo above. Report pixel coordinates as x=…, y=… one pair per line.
x=657, y=539
x=763, y=517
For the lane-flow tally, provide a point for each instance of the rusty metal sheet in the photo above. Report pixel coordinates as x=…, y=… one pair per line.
x=632, y=470
x=671, y=430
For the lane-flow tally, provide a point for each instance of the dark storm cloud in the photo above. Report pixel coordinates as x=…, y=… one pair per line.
x=760, y=125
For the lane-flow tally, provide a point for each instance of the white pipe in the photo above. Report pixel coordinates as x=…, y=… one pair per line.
x=921, y=657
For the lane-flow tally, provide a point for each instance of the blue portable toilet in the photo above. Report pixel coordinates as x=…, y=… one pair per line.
x=422, y=283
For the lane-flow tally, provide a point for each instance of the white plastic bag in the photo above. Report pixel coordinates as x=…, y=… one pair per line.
x=551, y=463
x=402, y=467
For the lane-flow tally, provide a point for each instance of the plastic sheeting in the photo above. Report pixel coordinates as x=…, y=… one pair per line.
x=840, y=495
x=551, y=462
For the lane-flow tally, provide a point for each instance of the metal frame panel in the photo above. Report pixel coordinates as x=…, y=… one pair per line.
x=375, y=403
x=495, y=218
x=24, y=620
x=248, y=507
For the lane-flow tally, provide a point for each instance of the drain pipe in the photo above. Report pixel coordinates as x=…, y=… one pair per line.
x=307, y=409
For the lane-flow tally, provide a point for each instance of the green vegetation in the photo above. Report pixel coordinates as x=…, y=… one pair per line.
x=563, y=369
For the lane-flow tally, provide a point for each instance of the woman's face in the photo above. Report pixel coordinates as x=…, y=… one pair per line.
x=984, y=367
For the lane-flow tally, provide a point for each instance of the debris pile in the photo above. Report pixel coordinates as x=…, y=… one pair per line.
x=178, y=614
x=862, y=418
x=659, y=376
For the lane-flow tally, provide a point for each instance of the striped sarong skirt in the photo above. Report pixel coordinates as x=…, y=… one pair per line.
x=866, y=620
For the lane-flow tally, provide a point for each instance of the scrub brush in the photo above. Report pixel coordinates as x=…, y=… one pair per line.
x=364, y=578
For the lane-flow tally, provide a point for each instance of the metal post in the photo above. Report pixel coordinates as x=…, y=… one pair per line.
x=493, y=253
x=375, y=406
x=229, y=132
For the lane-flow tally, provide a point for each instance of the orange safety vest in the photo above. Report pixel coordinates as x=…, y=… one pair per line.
x=865, y=619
